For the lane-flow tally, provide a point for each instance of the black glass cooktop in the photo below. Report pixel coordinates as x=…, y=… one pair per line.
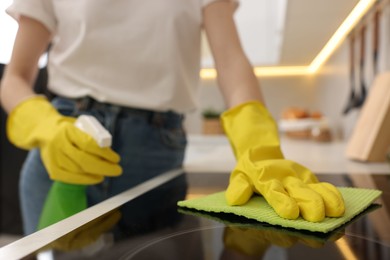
x=153, y=227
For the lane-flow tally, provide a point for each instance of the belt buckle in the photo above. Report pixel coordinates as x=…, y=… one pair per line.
x=83, y=103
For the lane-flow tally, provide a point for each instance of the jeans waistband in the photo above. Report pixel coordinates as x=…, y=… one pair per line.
x=88, y=103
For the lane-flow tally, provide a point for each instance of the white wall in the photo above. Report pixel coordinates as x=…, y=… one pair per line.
x=278, y=92
x=325, y=93
x=8, y=28
x=332, y=91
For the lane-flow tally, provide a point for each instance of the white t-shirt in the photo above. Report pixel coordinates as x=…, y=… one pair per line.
x=136, y=53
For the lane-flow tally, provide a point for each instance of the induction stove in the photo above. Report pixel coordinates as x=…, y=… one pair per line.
x=112, y=230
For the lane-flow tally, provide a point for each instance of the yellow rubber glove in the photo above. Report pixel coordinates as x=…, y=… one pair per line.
x=69, y=154
x=290, y=188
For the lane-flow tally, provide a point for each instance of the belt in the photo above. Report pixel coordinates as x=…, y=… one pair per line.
x=87, y=103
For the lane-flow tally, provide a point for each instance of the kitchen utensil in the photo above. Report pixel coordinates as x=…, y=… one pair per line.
x=375, y=44
x=363, y=89
x=351, y=103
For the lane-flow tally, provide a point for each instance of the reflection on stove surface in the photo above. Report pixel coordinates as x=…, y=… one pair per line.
x=162, y=231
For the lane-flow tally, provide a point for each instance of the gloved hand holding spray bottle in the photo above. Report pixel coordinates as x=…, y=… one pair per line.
x=69, y=155
x=64, y=199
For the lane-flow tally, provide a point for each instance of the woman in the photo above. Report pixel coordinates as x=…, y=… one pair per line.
x=133, y=65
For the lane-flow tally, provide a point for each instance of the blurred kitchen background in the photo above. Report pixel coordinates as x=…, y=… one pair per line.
x=301, y=51
x=288, y=37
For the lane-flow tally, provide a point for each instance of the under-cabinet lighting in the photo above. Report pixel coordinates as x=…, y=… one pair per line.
x=281, y=70
x=335, y=41
x=210, y=73
x=341, y=33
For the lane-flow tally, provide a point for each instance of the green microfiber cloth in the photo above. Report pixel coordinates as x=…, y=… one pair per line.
x=242, y=222
x=356, y=201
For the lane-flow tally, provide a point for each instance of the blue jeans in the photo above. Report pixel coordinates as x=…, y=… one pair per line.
x=149, y=144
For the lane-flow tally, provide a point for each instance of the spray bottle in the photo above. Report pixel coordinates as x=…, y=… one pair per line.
x=64, y=199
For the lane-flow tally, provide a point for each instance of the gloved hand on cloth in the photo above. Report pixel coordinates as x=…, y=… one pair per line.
x=255, y=242
x=69, y=154
x=291, y=189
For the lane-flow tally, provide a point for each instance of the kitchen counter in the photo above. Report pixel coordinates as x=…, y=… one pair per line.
x=177, y=234
x=182, y=234
x=207, y=154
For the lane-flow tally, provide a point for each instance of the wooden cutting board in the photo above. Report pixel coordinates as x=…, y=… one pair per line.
x=370, y=139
